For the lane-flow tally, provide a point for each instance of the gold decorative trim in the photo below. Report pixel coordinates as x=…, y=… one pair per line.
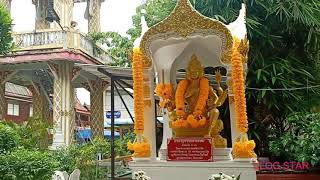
x=186, y=21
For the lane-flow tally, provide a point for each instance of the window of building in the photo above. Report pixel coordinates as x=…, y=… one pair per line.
x=13, y=109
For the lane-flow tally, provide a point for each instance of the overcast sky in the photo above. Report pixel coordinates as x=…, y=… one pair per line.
x=115, y=16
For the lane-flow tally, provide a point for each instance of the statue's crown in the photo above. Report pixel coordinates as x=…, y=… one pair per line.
x=195, y=63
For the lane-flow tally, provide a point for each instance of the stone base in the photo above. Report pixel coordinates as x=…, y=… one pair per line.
x=163, y=154
x=58, y=141
x=222, y=154
x=163, y=170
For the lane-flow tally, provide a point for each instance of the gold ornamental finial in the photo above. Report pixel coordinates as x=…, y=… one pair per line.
x=184, y=5
x=184, y=1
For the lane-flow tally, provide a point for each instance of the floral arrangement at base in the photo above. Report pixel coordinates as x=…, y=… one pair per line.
x=244, y=148
x=141, y=149
x=190, y=122
x=140, y=175
x=141, y=145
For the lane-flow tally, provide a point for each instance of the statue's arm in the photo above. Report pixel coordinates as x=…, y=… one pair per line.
x=218, y=78
x=222, y=98
x=213, y=98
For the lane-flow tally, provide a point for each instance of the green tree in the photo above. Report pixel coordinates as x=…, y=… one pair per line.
x=284, y=53
x=5, y=31
x=119, y=47
x=9, y=138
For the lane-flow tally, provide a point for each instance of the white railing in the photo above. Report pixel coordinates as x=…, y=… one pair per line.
x=32, y=40
x=58, y=39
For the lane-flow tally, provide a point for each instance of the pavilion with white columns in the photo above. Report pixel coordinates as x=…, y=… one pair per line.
x=45, y=61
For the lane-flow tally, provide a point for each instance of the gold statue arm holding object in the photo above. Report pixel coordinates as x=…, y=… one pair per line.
x=222, y=98
x=218, y=78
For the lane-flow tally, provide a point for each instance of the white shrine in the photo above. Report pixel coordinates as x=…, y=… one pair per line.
x=188, y=40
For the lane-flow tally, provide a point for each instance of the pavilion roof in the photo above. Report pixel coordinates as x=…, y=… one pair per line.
x=17, y=90
x=80, y=108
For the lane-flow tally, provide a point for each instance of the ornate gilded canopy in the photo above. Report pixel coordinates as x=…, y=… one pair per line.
x=186, y=22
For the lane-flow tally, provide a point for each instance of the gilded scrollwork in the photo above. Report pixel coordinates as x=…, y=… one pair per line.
x=178, y=26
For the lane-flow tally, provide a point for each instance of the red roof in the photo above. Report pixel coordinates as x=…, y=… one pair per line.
x=80, y=108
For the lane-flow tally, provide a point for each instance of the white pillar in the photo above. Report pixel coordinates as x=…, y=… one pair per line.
x=233, y=123
x=62, y=103
x=233, y=120
x=149, y=113
x=167, y=133
x=104, y=106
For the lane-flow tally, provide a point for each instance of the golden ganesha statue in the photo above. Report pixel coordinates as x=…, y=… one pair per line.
x=193, y=108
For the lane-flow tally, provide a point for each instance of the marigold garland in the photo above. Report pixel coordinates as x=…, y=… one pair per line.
x=190, y=122
x=203, y=96
x=137, y=67
x=140, y=148
x=165, y=91
x=243, y=148
x=179, y=97
x=239, y=89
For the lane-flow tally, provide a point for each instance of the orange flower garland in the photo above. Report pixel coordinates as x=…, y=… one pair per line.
x=194, y=120
x=203, y=96
x=141, y=146
x=243, y=148
x=137, y=67
x=179, y=97
x=165, y=91
x=239, y=89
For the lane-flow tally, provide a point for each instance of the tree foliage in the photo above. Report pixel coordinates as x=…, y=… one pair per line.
x=9, y=138
x=119, y=47
x=5, y=31
x=26, y=164
x=300, y=142
x=284, y=53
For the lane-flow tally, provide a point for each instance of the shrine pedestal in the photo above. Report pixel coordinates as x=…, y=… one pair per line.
x=164, y=170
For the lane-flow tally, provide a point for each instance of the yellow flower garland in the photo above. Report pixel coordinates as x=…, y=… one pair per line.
x=194, y=120
x=179, y=97
x=202, y=99
x=141, y=146
x=137, y=67
x=243, y=148
x=165, y=91
x=239, y=89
